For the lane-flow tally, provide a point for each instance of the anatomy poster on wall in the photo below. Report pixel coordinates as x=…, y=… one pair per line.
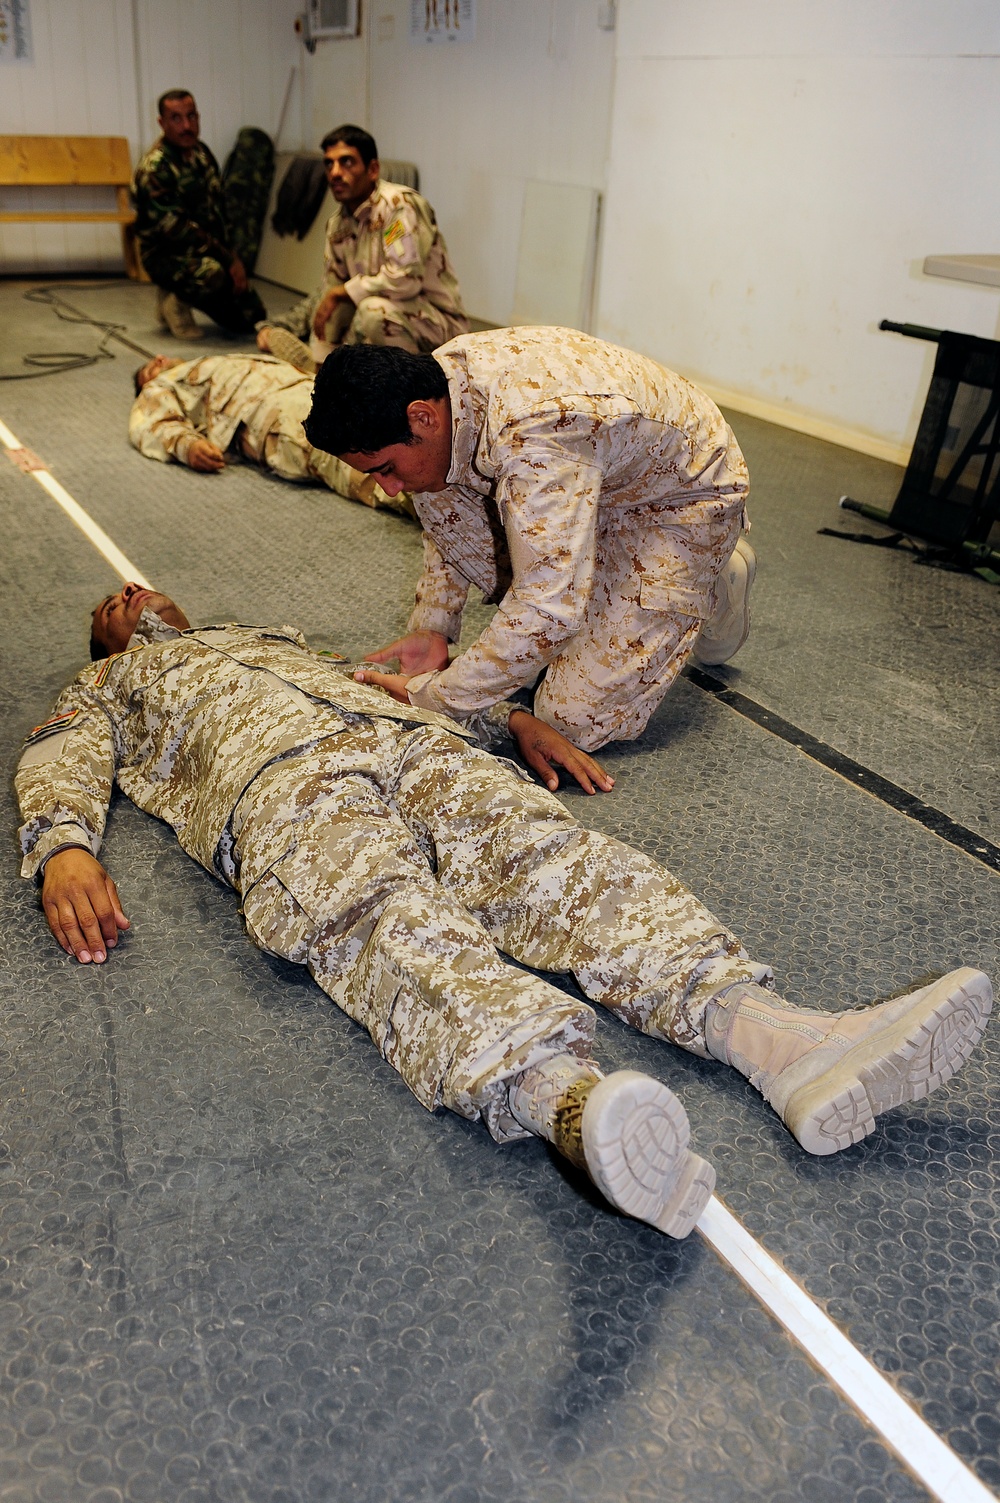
x=15, y=31
x=442, y=21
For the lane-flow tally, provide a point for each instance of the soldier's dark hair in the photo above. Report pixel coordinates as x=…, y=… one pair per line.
x=361, y=395
x=172, y=94
x=97, y=648
x=136, y=377
x=352, y=135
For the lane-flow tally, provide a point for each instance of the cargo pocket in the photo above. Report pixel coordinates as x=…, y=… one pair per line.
x=275, y=921
x=414, y=1037
x=661, y=597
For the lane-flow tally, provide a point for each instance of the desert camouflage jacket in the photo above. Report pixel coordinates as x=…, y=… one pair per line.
x=210, y=398
x=392, y=248
x=184, y=721
x=551, y=429
x=179, y=204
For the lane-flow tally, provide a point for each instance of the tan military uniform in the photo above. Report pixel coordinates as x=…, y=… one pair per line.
x=594, y=495
x=377, y=846
x=255, y=398
x=393, y=263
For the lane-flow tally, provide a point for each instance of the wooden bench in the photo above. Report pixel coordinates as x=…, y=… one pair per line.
x=72, y=162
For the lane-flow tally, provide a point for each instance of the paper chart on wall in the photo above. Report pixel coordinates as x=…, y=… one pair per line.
x=442, y=21
x=15, y=31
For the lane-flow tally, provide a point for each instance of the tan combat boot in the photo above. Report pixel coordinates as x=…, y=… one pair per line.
x=628, y=1131
x=179, y=319
x=284, y=346
x=830, y=1076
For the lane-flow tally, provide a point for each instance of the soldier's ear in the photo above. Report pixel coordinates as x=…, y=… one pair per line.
x=423, y=417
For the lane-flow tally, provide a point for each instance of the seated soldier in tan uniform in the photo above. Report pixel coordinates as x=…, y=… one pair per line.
x=388, y=278
x=401, y=863
x=193, y=410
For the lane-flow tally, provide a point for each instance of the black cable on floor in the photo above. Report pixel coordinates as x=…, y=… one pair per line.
x=52, y=362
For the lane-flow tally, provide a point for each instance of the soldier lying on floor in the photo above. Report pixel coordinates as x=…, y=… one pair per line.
x=378, y=845
x=192, y=410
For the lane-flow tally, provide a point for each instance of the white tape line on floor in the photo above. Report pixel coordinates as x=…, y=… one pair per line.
x=94, y=534
x=914, y=1442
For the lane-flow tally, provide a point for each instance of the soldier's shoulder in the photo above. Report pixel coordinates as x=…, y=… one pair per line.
x=394, y=196
x=392, y=192
x=154, y=161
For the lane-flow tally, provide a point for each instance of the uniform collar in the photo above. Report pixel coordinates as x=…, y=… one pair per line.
x=364, y=208
x=151, y=628
x=465, y=421
x=176, y=155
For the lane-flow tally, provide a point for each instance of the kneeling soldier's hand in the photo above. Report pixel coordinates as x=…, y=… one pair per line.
x=544, y=749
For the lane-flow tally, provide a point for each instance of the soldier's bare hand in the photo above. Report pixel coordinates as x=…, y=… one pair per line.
x=264, y=339
x=324, y=308
x=418, y=652
x=238, y=273
x=205, y=456
x=81, y=904
x=394, y=683
x=544, y=749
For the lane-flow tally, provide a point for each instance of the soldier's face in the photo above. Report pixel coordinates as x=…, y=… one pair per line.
x=117, y=616
x=422, y=464
x=180, y=123
x=349, y=179
x=154, y=367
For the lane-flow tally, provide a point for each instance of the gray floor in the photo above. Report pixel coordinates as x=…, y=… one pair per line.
x=239, y=1262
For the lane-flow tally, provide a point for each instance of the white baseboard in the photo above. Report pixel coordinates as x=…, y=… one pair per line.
x=803, y=422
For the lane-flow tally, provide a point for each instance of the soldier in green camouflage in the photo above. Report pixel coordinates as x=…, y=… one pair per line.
x=379, y=846
x=187, y=244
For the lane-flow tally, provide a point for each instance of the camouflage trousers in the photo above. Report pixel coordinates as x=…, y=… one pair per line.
x=289, y=454
x=653, y=586
x=397, y=862
x=206, y=284
x=415, y=325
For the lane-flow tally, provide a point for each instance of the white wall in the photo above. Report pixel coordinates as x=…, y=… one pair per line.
x=97, y=70
x=774, y=173
x=778, y=173
x=528, y=98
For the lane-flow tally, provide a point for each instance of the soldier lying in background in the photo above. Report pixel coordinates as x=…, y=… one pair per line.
x=192, y=410
x=377, y=845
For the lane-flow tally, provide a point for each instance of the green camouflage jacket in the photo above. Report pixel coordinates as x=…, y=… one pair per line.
x=180, y=205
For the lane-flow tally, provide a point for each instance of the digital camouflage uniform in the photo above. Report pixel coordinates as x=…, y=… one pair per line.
x=256, y=399
x=393, y=262
x=596, y=496
x=379, y=847
x=186, y=243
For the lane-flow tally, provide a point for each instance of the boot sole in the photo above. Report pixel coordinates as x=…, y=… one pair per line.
x=635, y=1141
x=909, y=1059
